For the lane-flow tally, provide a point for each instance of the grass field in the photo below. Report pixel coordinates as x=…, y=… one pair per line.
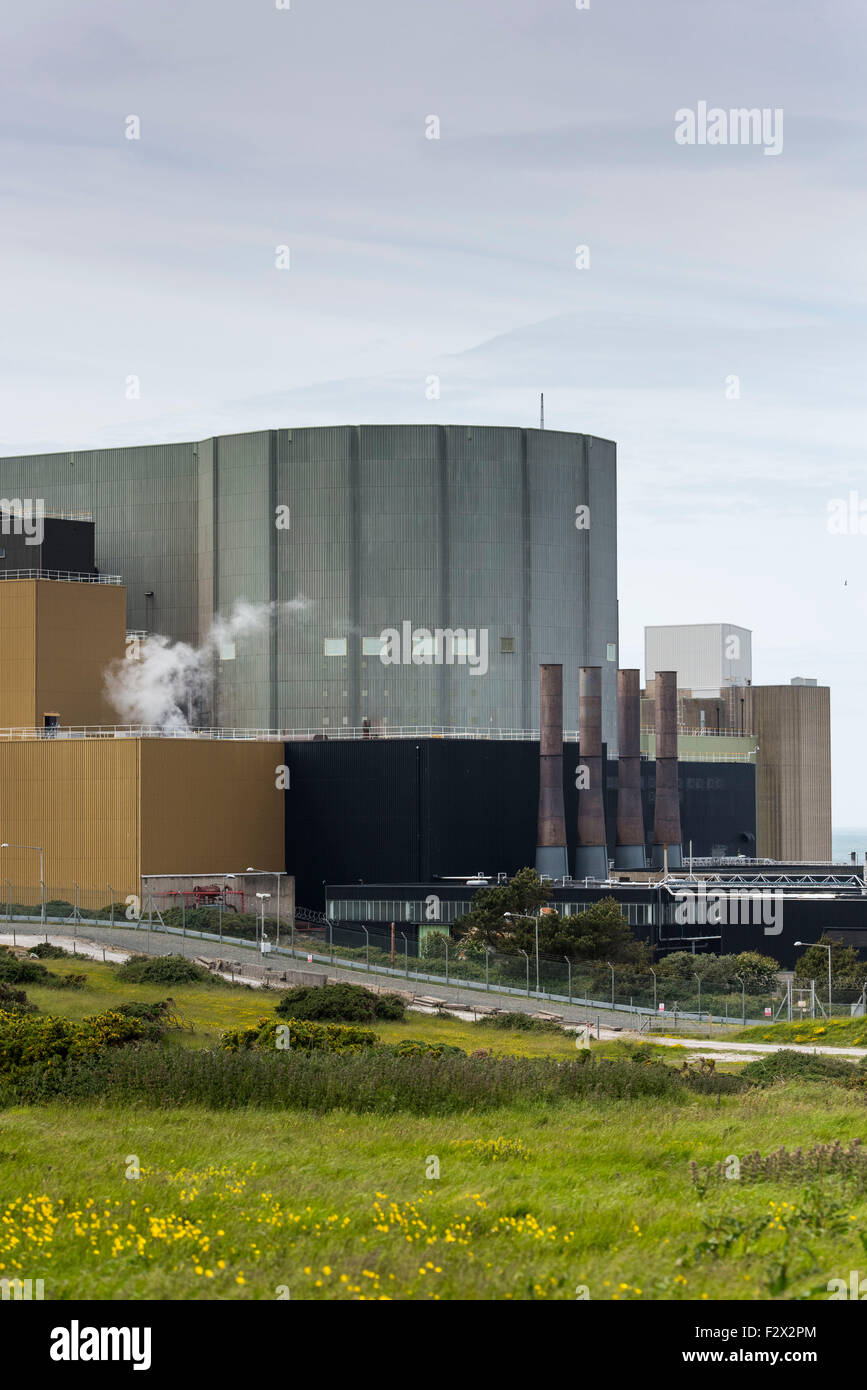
x=526, y=1201
x=244, y=1205
x=832, y=1032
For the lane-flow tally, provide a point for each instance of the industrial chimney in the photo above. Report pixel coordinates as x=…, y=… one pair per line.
x=667, y=848
x=629, y=851
x=551, y=856
x=591, y=853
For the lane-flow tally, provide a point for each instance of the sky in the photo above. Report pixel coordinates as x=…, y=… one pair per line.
x=283, y=244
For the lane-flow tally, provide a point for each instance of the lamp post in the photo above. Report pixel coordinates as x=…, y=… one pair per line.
x=41, y=871
x=611, y=968
x=527, y=959
x=488, y=950
x=263, y=898
x=829, y=949
x=569, y=968
x=405, y=954
x=530, y=917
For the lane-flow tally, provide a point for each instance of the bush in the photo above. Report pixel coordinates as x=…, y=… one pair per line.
x=341, y=1002
x=164, y=970
x=14, y=1001
x=26, y=1041
x=521, y=1022
x=45, y=951
x=418, y=1047
x=32, y=972
x=267, y=1035
x=788, y=1065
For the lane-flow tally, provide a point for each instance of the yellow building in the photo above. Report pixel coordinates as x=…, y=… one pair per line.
x=107, y=806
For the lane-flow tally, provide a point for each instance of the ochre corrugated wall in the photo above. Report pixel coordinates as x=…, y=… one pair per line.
x=80, y=628
x=78, y=799
x=17, y=653
x=210, y=807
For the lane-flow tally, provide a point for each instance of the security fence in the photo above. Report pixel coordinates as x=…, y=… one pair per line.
x=655, y=992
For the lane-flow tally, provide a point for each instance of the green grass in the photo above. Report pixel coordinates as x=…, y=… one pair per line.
x=269, y=1201
x=834, y=1032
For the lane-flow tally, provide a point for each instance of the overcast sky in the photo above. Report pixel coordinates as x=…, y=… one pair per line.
x=455, y=257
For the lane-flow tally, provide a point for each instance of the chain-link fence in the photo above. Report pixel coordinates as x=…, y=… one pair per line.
x=659, y=992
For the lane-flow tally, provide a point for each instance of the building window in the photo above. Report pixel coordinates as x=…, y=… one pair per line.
x=611, y=651
x=372, y=646
x=335, y=646
x=507, y=645
x=227, y=651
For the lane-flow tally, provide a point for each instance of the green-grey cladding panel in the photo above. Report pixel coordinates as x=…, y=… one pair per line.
x=451, y=527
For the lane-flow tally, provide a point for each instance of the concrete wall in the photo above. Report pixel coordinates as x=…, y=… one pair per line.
x=792, y=724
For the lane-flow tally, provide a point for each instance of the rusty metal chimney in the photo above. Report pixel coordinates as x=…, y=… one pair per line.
x=667, y=847
x=591, y=853
x=629, y=851
x=551, y=856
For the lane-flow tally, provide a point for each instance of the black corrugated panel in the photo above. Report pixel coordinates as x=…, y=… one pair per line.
x=401, y=811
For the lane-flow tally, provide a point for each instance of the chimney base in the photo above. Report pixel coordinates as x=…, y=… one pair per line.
x=591, y=861
x=630, y=857
x=553, y=860
x=675, y=857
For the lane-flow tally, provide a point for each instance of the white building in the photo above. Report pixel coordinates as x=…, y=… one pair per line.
x=708, y=657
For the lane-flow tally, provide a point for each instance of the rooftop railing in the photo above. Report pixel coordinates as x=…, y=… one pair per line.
x=65, y=576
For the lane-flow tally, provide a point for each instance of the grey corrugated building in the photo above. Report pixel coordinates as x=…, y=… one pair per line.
x=504, y=540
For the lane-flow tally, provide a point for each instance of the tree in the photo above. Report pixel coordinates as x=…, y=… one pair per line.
x=845, y=961
x=486, y=923
x=600, y=933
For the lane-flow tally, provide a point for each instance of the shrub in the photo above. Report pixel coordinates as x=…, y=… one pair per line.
x=787, y=1065
x=419, y=1047
x=14, y=1001
x=518, y=1021
x=26, y=1041
x=341, y=1002
x=298, y=1035
x=164, y=970
x=33, y=972
x=45, y=951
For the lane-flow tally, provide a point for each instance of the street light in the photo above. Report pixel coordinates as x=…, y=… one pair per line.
x=829, y=949
x=263, y=898
x=41, y=873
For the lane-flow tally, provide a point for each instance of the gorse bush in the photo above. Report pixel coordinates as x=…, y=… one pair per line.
x=165, y=970
x=519, y=1022
x=788, y=1065
x=298, y=1035
x=45, y=951
x=419, y=1047
x=26, y=1041
x=14, y=1001
x=14, y=971
x=341, y=1003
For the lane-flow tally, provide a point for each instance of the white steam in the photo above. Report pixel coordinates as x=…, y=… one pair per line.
x=166, y=685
